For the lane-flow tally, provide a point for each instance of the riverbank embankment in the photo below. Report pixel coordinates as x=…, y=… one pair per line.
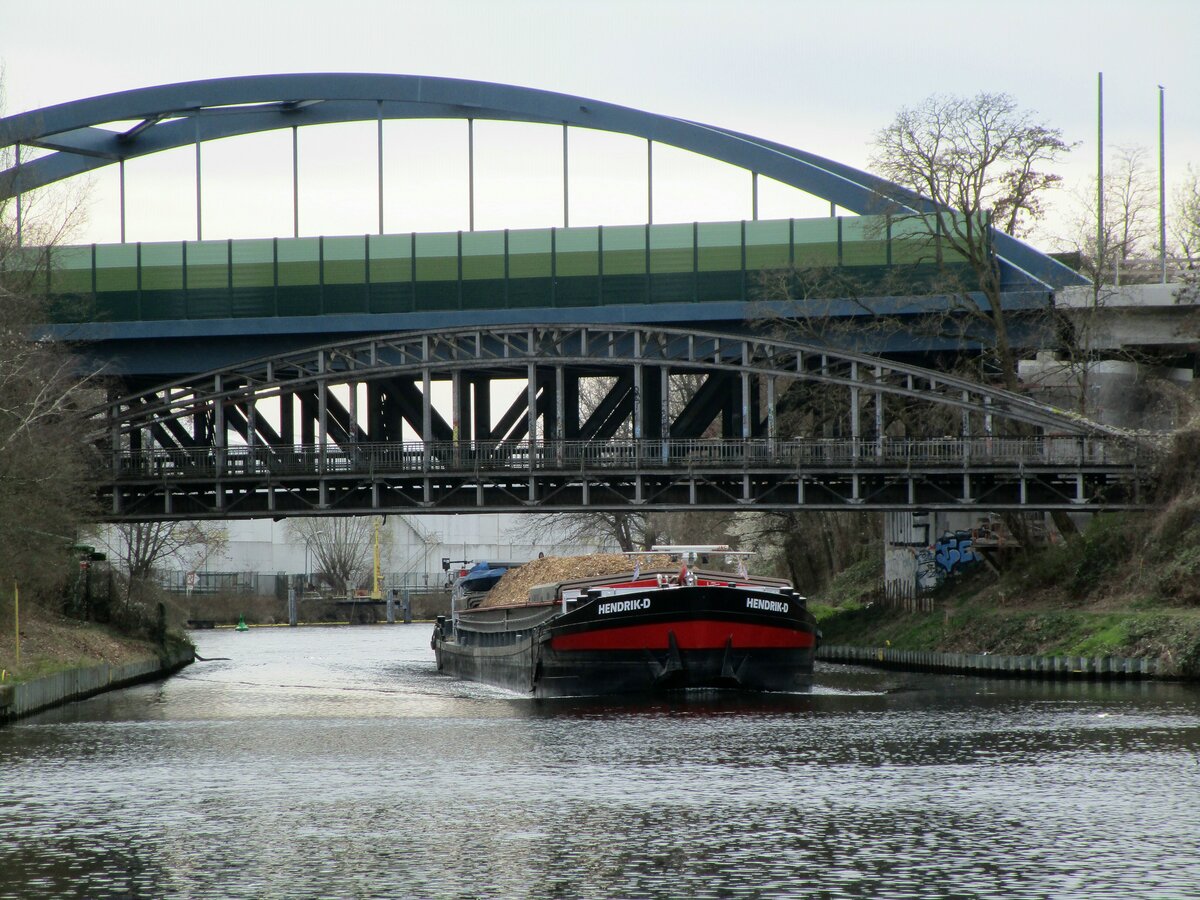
x=27, y=697
x=994, y=664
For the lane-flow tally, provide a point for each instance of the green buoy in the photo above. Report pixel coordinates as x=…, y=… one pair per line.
x=241, y=625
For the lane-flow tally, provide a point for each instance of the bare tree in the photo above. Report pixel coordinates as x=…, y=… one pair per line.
x=980, y=161
x=46, y=469
x=343, y=547
x=1130, y=202
x=1130, y=207
x=1185, y=230
x=629, y=530
x=144, y=547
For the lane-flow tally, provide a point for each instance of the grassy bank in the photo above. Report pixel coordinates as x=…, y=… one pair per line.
x=1128, y=585
x=52, y=643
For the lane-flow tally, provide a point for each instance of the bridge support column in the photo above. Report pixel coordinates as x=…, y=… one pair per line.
x=908, y=565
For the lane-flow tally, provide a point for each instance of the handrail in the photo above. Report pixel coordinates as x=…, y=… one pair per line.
x=630, y=455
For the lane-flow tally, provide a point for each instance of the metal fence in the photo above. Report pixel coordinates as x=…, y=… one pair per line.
x=266, y=584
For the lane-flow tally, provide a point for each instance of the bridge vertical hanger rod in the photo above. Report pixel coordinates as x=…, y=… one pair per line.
x=746, y=414
x=114, y=425
x=17, y=177
x=251, y=423
x=566, y=192
x=855, y=423
x=966, y=429
x=455, y=406
x=121, y=191
x=560, y=411
x=754, y=196
x=639, y=375
x=218, y=439
x=426, y=403
x=531, y=401
x=352, y=431
x=879, y=423
x=295, y=182
x=379, y=156
x=649, y=182
x=471, y=173
x=199, y=204
x=322, y=414
x=665, y=411
x=772, y=423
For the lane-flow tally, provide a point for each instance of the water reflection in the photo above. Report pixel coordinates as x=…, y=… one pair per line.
x=336, y=762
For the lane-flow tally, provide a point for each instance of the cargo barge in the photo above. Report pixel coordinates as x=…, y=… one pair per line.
x=637, y=631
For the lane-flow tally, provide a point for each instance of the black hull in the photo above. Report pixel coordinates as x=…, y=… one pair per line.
x=682, y=638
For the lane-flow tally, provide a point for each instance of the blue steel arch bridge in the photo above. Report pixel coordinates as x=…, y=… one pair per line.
x=348, y=336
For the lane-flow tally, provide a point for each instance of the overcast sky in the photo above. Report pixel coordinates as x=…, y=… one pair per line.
x=820, y=76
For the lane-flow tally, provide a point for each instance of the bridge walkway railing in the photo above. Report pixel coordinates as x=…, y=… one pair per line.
x=411, y=458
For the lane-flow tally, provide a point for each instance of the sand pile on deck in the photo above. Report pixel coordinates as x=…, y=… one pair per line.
x=514, y=586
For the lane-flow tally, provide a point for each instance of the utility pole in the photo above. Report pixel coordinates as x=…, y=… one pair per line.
x=1162, y=185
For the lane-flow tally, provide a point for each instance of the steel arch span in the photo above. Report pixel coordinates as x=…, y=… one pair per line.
x=175, y=115
x=322, y=431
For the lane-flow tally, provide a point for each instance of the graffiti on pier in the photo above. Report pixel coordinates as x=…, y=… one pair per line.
x=953, y=553
x=928, y=576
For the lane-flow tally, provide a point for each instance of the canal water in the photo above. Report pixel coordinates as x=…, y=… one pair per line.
x=335, y=762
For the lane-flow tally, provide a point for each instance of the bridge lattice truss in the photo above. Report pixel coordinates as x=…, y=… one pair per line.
x=632, y=418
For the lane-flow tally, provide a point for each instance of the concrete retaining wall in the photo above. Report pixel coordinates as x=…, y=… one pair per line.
x=994, y=664
x=24, y=699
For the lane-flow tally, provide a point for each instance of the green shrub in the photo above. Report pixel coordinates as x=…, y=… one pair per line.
x=1105, y=544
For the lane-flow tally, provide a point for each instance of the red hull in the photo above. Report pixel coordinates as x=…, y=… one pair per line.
x=695, y=634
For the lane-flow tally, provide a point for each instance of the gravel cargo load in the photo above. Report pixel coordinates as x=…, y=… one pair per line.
x=514, y=586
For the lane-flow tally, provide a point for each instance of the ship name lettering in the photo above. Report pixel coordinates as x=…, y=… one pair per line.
x=620, y=606
x=768, y=605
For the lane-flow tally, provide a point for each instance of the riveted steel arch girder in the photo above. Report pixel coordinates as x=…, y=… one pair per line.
x=175, y=115
x=508, y=351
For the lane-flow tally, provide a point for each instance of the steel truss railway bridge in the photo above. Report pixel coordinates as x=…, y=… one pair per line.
x=321, y=432
x=641, y=383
